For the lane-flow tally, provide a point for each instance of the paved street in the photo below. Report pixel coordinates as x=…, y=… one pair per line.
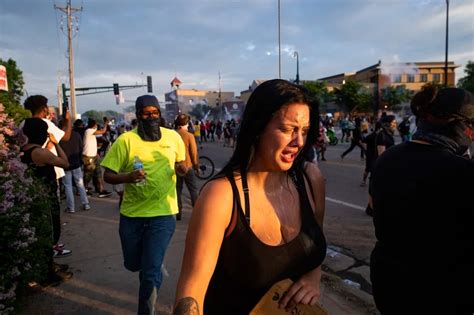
x=101, y=285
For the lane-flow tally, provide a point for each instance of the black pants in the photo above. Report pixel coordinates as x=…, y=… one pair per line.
x=353, y=145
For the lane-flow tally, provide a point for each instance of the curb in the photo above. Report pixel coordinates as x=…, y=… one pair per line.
x=349, y=277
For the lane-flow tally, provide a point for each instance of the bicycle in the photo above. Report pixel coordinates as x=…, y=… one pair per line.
x=206, y=168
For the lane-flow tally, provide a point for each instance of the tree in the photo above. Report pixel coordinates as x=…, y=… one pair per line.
x=353, y=97
x=467, y=82
x=317, y=90
x=11, y=98
x=393, y=96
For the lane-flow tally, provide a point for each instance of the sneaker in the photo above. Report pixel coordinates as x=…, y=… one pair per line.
x=58, y=245
x=70, y=210
x=86, y=206
x=104, y=194
x=61, y=252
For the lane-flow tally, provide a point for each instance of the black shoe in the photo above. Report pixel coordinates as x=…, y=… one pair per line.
x=55, y=278
x=59, y=267
x=104, y=194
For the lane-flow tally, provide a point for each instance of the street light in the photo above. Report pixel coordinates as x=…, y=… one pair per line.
x=295, y=54
x=279, y=43
x=446, y=53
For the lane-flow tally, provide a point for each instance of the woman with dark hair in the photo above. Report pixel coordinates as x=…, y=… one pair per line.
x=42, y=162
x=423, y=213
x=260, y=219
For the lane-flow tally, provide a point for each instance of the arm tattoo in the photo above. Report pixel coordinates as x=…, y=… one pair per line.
x=186, y=306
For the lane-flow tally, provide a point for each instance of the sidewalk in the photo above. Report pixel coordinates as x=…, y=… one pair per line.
x=101, y=285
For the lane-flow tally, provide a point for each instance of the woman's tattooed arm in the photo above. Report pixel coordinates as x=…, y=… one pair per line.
x=186, y=306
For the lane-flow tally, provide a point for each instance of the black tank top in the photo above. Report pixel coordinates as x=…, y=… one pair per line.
x=247, y=268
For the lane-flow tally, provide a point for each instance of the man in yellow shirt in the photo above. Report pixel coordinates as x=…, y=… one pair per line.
x=149, y=204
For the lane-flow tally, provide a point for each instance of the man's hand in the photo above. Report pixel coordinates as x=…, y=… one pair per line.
x=136, y=176
x=180, y=169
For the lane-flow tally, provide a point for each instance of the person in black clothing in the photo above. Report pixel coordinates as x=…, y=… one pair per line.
x=259, y=221
x=370, y=152
x=383, y=140
x=423, y=214
x=42, y=162
x=356, y=138
x=404, y=129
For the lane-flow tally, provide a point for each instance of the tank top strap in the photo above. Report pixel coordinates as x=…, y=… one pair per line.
x=245, y=189
x=298, y=179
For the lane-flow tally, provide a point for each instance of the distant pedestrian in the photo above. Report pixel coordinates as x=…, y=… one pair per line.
x=74, y=176
x=191, y=163
x=356, y=138
x=149, y=204
x=383, y=140
x=91, y=159
x=404, y=129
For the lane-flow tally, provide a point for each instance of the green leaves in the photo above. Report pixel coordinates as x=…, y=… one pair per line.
x=467, y=82
x=353, y=96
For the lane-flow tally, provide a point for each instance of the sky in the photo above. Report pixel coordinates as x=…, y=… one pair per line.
x=123, y=41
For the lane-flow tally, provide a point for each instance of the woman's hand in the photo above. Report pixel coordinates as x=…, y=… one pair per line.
x=305, y=291
x=52, y=138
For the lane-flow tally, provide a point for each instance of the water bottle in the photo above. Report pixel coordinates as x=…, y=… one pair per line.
x=138, y=165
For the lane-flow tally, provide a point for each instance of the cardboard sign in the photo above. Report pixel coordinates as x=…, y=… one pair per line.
x=268, y=305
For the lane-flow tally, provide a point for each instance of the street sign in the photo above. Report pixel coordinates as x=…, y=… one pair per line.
x=3, y=78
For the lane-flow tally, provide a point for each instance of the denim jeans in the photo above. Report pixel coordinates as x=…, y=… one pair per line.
x=76, y=175
x=190, y=180
x=144, y=243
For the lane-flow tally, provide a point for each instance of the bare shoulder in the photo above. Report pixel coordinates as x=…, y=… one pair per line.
x=316, y=179
x=314, y=173
x=215, y=200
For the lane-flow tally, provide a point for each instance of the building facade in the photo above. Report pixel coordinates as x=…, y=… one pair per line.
x=411, y=75
x=180, y=100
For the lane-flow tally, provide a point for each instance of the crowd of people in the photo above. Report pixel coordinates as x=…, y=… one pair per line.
x=260, y=219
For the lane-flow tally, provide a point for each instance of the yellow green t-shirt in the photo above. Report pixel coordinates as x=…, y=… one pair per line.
x=158, y=196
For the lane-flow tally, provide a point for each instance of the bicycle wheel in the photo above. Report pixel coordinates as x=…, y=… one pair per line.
x=206, y=168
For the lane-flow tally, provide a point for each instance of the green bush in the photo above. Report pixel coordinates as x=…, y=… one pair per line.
x=25, y=220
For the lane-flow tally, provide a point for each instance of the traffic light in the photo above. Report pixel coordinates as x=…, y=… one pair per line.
x=149, y=85
x=116, y=89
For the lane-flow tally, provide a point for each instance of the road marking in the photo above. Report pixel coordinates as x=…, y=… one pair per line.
x=342, y=164
x=347, y=204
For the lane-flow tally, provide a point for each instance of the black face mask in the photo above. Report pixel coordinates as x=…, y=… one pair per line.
x=149, y=129
x=451, y=136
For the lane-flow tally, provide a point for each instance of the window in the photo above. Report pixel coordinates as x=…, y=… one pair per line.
x=436, y=77
x=423, y=77
x=396, y=78
x=410, y=78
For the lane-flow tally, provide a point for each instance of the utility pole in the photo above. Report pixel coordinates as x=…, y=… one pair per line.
x=69, y=10
x=446, y=52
